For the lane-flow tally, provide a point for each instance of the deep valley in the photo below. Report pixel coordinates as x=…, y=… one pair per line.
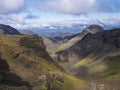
x=89, y=60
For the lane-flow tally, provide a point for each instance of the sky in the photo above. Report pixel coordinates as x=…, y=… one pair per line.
x=40, y=13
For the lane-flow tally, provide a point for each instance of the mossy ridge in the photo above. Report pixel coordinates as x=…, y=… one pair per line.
x=108, y=67
x=62, y=46
x=83, y=62
x=111, y=70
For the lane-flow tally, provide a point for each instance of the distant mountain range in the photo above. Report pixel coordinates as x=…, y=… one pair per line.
x=67, y=41
x=73, y=27
x=28, y=32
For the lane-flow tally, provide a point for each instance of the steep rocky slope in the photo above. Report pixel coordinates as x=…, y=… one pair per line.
x=99, y=43
x=26, y=65
x=6, y=29
x=96, y=57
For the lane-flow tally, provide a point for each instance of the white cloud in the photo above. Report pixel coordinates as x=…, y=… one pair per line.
x=107, y=23
x=19, y=19
x=70, y=6
x=80, y=6
x=11, y=6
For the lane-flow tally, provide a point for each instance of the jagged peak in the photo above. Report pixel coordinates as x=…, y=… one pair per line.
x=94, y=29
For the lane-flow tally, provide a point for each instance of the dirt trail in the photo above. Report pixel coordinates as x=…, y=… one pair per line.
x=93, y=85
x=98, y=85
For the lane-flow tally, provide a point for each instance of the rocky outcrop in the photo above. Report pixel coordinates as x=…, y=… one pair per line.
x=35, y=45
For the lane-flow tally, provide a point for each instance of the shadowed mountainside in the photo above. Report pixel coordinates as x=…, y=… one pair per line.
x=100, y=43
x=101, y=48
x=6, y=29
x=95, y=57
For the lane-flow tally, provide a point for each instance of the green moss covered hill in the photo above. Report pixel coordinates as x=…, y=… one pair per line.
x=26, y=65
